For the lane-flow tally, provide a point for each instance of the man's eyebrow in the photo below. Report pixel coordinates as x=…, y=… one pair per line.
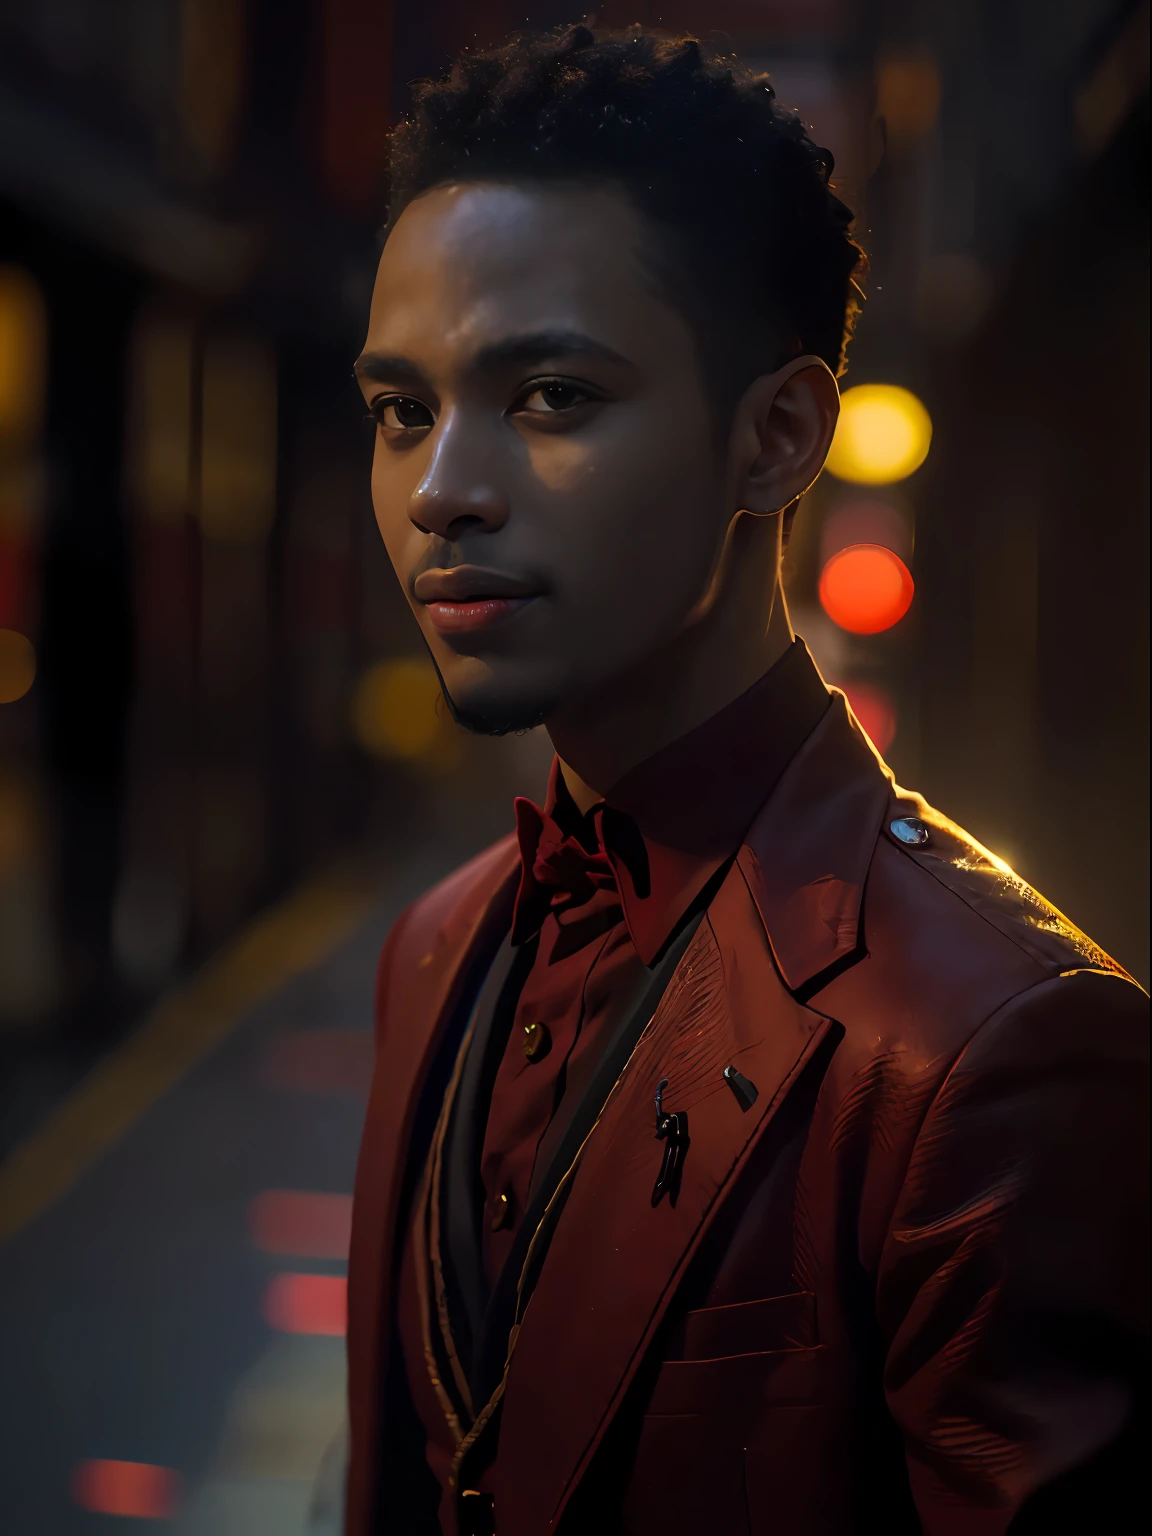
x=516, y=351
x=541, y=346
x=388, y=370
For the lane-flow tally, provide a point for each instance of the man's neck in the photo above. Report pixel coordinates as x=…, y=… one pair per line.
x=600, y=738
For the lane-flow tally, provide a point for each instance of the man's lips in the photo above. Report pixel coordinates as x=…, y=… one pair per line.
x=477, y=613
x=466, y=583
x=469, y=597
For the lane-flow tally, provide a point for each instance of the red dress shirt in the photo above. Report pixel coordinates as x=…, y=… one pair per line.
x=601, y=894
x=586, y=967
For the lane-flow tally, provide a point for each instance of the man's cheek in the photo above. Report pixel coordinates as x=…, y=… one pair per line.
x=392, y=487
x=401, y=538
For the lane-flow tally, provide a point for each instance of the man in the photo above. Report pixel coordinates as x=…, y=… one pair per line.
x=749, y=1150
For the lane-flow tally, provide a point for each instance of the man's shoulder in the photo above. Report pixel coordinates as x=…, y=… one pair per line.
x=952, y=937
x=939, y=851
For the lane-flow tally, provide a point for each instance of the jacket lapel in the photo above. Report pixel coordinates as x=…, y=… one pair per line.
x=615, y=1261
x=808, y=853
x=447, y=943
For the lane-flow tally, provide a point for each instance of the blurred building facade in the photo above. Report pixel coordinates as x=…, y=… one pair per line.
x=190, y=568
x=189, y=193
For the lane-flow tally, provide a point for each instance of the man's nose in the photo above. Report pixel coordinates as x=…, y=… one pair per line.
x=455, y=494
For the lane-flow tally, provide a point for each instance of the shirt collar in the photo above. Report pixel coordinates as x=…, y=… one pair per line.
x=670, y=823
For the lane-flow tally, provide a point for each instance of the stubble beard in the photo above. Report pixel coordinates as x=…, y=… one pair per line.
x=495, y=720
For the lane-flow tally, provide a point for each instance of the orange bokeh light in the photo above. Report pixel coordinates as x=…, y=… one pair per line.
x=866, y=588
x=17, y=665
x=307, y=1304
x=295, y=1221
x=135, y=1489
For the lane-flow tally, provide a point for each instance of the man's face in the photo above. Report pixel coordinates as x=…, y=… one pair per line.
x=546, y=477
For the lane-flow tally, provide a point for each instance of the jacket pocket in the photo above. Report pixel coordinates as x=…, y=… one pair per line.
x=747, y=1328
x=733, y=1390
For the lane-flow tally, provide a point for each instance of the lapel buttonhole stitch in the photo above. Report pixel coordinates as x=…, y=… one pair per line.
x=746, y=1091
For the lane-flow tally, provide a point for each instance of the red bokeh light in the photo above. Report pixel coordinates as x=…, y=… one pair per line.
x=875, y=711
x=307, y=1304
x=293, y=1221
x=866, y=588
x=128, y=1488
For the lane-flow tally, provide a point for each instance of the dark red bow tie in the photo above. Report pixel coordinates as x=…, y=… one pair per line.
x=559, y=865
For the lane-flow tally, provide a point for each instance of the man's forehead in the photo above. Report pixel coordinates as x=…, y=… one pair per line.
x=495, y=259
x=509, y=222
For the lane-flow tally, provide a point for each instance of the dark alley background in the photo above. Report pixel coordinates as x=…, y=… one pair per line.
x=212, y=697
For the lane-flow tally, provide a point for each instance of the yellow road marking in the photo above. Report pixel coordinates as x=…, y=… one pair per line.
x=294, y=936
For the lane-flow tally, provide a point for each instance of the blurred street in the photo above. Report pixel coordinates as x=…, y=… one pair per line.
x=179, y=1306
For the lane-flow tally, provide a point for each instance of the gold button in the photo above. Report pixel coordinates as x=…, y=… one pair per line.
x=537, y=1041
x=503, y=1213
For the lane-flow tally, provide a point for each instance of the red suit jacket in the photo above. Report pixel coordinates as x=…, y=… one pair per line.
x=903, y=1290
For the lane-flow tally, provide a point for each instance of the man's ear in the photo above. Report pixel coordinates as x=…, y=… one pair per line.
x=781, y=435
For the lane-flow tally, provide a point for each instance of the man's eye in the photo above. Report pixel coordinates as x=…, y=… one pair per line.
x=552, y=396
x=401, y=413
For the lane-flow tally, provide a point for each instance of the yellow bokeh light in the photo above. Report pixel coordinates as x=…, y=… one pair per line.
x=883, y=434
x=394, y=709
x=907, y=95
x=17, y=665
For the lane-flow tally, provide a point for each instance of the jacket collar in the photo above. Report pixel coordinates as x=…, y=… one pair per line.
x=806, y=857
x=675, y=819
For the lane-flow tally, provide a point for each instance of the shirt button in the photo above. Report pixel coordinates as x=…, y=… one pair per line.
x=537, y=1041
x=502, y=1213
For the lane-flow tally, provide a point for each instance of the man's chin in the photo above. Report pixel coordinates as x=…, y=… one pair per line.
x=489, y=715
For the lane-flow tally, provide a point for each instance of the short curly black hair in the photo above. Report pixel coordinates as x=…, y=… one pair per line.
x=753, y=246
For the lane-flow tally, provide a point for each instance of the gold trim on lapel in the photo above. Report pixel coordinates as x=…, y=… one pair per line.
x=429, y=1264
